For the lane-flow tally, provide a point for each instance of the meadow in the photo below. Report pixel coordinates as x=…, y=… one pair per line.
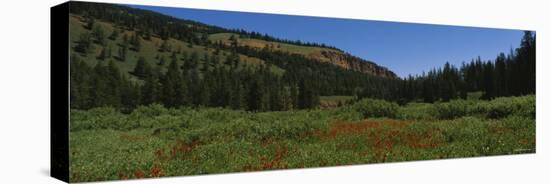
x=154, y=141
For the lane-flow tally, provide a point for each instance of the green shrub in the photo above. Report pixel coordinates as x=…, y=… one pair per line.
x=498, y=108
x=96, y=118
x=506, y=106
x=416, y=111
x=454, y=109
x=376, y=108
x=149, y=110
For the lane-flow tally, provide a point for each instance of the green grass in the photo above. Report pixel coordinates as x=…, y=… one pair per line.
x=154, y=141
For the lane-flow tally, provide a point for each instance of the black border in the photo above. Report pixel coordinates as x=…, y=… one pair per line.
x=59, y=91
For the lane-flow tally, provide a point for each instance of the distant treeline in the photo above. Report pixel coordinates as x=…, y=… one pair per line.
x=508, y=75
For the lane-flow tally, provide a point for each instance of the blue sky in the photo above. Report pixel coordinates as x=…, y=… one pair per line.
x=402, y=47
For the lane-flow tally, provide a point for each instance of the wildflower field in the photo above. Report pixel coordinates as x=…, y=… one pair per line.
x=154, y=141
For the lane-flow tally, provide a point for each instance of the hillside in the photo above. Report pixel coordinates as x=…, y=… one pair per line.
x=326, y=55
x=150, y=49
x=182, y=32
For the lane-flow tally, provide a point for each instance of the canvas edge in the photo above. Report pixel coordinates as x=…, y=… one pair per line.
x=59, y=92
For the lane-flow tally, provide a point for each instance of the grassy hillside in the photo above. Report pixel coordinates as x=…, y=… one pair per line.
x=321, y=54
x=257, y=43
x=154, y=141
x=149, y=48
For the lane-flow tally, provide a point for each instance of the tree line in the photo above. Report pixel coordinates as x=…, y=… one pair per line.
x=252, y=89
x=511, y=74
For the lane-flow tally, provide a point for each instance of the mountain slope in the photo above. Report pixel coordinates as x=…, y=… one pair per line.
x=325, y=55
x=164, y=27
x=149, y=49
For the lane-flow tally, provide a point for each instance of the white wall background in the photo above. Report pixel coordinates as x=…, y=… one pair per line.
x=24, y=90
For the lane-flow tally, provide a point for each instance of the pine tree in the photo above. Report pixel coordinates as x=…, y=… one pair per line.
x=488, y=81
x=164, y=47
x=162, y=61
x=99, y=35
x=500, y=76
x=205, y=63
x=100, y=97
x=147, y=35
x=286, y=98
x=255, y=95
x=136, y=42
x=151, y=89
x=109, y=52
x=192, y=62
x=123, y=49
x=294, y=96
x=114, y=35
x=84, y=44
x=113, y=80
x=80, y=84
x=173, y=87
x=130, y=95
x=233, y=41
x=204, y=92
x=304, y=98
x=90, y=23
x=142, y=68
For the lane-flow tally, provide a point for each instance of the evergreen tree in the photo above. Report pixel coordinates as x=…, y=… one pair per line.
x=80, y=84
x=162, y=61
x=488, y=81
x=113, y=83
x=99, y=35
x=84, y=44
x=500, y=76
x=90, y=23
x=123, y=49
x=304, y=95
x=109, y=52
x=151, y=89
x=294, y=97
x=136, y=42
x=173, y=87
x=114, y=35
x=147, y=35
x=255, y=95
x=164, y=47
x=142, y=68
